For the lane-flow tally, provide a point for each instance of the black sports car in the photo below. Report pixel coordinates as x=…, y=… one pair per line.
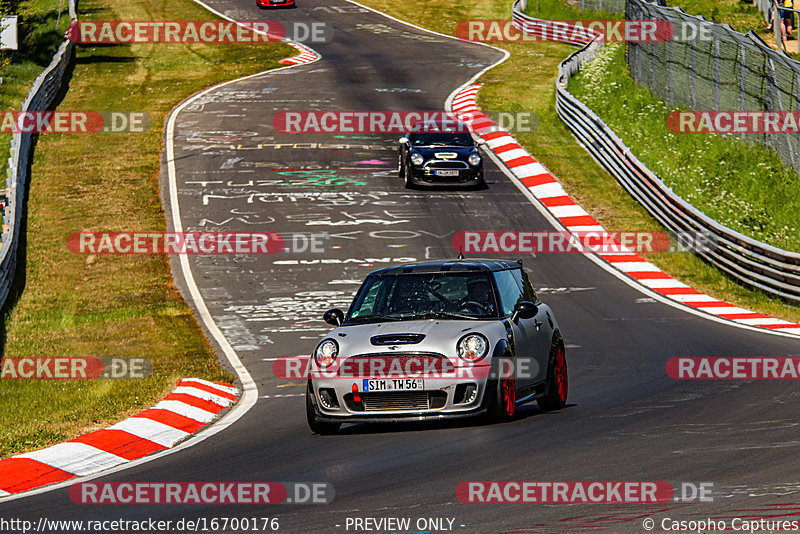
x=430, y=158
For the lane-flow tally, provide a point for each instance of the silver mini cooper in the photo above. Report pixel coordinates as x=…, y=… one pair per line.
x=436, y=340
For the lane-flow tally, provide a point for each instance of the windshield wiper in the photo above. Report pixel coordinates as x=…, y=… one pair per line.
x=445, y=315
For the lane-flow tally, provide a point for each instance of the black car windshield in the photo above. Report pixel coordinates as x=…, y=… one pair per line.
x=441, y=138
x=424, y=296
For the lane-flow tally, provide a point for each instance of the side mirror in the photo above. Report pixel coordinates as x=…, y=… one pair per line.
x=404, y=140
x=334, y=317
x=525, y=310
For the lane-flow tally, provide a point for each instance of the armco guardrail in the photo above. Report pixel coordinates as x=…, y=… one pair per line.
x=44, y=91
x=751, y=262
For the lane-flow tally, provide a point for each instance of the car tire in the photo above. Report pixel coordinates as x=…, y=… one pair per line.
x=481, y=183
x=557, y=381
x=318, y=427
x=502, y=397
x=409, y=183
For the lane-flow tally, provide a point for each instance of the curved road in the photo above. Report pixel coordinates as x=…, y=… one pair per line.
x=625, y=421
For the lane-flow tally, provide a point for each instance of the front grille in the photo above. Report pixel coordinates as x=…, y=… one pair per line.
x=447, y=165
x=400, y=356
x=395, y=401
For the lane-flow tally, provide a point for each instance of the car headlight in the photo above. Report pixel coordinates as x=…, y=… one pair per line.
x=474, y=159
x=326, y=352
x=472, y=347
x=417, y=159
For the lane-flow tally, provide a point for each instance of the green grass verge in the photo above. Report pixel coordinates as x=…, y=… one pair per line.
x=526, y=81
x=743, y=185
x=560, y=10
x=740, y=14
x=106, y=306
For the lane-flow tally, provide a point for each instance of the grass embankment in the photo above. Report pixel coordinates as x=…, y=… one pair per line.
x=526, y=81
x=110, y=306
x=38, y=39
x=743, y=185
x=740, y=14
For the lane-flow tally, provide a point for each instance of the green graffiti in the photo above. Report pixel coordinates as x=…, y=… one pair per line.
x=319, y=178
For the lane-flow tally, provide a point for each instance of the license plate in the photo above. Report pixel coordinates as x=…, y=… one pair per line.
x=446, y=173
x=394, y=384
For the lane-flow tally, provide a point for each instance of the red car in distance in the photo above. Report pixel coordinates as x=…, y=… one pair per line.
x=275, y=3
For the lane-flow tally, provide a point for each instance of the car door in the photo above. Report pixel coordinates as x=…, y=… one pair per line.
x=543, y=323
x=529, y=334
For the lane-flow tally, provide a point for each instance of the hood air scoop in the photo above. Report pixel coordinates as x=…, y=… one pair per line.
x=397, y=339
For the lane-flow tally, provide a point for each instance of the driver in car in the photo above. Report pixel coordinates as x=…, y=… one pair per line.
x=478, y=299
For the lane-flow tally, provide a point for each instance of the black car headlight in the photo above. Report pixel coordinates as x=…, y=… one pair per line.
x=417, y=159
x=474, y=159
x=326, y=352
x=472, y=347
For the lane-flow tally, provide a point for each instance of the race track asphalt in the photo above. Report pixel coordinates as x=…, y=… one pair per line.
x=626, y=420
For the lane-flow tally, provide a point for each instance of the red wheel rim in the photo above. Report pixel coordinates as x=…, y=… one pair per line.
x=509, y=395
x=561, y=374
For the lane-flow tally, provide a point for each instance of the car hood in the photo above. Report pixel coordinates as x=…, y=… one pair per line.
x=441, y=336
x=462, y=152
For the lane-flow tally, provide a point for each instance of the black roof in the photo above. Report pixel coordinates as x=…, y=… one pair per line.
x=438, y=126
x=441, y=266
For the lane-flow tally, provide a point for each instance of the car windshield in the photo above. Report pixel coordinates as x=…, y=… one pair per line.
x=441, y=138
x=424, y=296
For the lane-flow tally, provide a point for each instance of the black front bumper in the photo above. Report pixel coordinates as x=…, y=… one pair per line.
x=466, y=177
x=399, y=418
